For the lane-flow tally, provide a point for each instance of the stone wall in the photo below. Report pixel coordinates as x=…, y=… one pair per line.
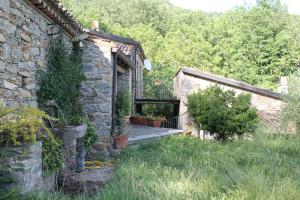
x=184, y=85
x=96, y=91
x=25, y=163
x=124, y=80
x=23, y=43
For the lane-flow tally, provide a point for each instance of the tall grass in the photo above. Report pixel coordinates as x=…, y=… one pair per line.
x=186, y=168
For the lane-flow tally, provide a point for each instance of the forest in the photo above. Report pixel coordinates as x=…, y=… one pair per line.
x=256, y=45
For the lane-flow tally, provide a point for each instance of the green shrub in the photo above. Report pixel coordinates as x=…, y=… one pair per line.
x=124, y=102
x=123, y=109
x=90, y=136
x=61, y=81
x=26, y=125
x=222, y=113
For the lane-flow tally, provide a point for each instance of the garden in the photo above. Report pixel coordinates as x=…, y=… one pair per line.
x=241, y=162
x=266, y=168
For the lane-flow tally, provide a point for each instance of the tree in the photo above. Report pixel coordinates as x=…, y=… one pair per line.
x=256, y=45
x=222, y=113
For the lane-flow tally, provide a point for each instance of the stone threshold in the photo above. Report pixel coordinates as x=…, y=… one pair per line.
x=142, y=138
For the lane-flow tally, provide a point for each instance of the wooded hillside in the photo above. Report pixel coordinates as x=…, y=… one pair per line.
x=257, y=45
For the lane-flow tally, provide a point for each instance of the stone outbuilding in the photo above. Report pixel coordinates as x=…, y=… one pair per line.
x=188, y=81
x=111, y=63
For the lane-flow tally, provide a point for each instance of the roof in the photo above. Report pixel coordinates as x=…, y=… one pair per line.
x=55, y=11
x=125, y=48
x=229, y=82
x=123, y=57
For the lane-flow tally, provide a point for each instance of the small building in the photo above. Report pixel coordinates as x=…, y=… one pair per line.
x=188, y=81
x=111, y=63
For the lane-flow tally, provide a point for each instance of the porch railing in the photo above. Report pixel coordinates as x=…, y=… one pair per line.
x=157, y=89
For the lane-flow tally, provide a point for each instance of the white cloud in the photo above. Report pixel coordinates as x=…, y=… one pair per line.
x=223, y=5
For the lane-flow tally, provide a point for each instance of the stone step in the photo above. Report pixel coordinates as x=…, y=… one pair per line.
x=149, y=137
x=90, y=182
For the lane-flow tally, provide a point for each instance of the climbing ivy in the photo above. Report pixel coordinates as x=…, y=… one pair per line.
x=61, y=81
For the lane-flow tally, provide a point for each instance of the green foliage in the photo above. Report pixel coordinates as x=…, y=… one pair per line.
x=61, y=81
x=256, y=45
x=25, y=125
x=222, y=113
x=21, y=125
x=90, y=137
x=124, y=102
x=265, y=168
x=291, y=108
x=123, y=109
x=52, y=155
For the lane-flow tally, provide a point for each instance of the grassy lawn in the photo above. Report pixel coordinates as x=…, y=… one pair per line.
x=186, y=168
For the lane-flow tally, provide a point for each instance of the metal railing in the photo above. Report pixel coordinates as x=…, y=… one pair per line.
x=170, y=123
x=157, y=89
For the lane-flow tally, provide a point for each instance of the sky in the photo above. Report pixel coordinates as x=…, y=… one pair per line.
x=223, y=5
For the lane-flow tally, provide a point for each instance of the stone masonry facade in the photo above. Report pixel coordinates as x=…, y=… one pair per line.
x=96, y=90
x=23, y=44
x=186, y=84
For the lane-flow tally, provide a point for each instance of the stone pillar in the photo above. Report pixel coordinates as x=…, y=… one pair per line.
x=69, y=135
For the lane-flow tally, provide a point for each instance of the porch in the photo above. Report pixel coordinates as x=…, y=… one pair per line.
x=138, y=133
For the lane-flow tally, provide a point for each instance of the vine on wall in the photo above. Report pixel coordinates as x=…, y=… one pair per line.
x=61, y=81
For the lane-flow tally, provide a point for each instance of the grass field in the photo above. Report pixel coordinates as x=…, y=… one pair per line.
x=185, y=168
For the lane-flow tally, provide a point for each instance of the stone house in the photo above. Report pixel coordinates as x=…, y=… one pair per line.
x=26, y=29
x=188, y=80
x=111, y=64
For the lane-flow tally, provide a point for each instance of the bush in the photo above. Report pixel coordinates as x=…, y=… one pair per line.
x=26, y=125
x=61, y=81
x=90, y=136
x=123, y=109
x=222, y=113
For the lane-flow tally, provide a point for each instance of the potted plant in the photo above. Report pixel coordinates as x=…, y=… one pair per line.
x=120, y=138
x=155, y=121
x=138, y=119
x=124, y=104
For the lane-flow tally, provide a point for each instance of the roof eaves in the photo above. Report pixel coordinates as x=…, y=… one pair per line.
x=55, y=11
x=231, y=83
x=117, y=38
x=123, y=57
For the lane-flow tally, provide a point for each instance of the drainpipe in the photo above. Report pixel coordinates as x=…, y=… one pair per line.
x=114, y=94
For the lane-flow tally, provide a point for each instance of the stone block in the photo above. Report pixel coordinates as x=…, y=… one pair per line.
x=5, y=6
x=6, y=26
x=24, y=93
x=9, y=85
x=99, y=146
x=25, y=37
x=2, y=38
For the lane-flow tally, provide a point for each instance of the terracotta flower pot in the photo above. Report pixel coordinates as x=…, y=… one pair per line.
x=120, y=141
x=154, y=122
x=138, y=120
